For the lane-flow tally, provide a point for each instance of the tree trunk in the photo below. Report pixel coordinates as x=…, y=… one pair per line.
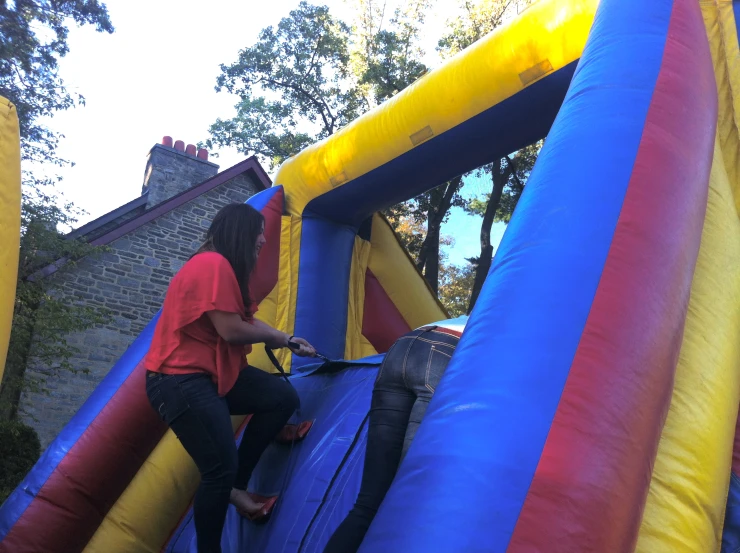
x=499, y=177
x=431, y=271
x=440, y=203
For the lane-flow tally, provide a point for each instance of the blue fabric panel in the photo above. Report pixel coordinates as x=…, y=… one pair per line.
x=26, y=491
x=259, y=200
x=731, y=530
x=736, y=11
x=473, y=459
x=323, y=287
x=340, y=499
x=319, y=477
x=500, y=130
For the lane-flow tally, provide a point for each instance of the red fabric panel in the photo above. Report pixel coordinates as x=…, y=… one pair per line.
x=590, y=486
x=265, y=275
x=382, y=323
x=89, y=480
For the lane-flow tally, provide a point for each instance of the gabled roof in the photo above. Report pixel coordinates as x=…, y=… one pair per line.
x=250, y=166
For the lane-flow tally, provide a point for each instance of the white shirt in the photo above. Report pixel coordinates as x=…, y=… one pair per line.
x=457, y=324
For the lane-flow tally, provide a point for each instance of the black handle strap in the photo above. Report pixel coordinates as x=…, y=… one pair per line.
x=275, y=362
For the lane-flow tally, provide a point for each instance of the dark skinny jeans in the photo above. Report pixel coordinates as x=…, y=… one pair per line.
x=200, y=418
x=406, y=381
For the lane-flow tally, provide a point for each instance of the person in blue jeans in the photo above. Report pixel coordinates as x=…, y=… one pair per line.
x=405, y=384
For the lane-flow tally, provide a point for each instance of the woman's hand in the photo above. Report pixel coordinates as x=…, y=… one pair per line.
x=304, y=349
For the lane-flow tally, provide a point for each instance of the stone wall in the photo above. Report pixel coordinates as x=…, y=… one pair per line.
x=130, y=282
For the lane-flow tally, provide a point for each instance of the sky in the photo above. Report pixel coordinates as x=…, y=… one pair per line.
x=155, y=76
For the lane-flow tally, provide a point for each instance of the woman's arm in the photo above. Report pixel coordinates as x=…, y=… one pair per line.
x=234, y=330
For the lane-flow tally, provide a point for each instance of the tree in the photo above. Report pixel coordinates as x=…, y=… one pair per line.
x=508, y=174
x=313, y=74
x=508, y=177
x=33, y=37
x=29, y=74
x=40, y=318
x=386, y=60
x=436, y=204
x=455, y=284
x=293, y=85
x=476, y=20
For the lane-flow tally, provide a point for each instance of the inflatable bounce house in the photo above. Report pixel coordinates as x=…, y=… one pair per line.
x=592, y=403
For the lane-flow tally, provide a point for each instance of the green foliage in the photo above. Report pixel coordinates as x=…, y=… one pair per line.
x=454, y=288
x=522, y=163
x=40, y=317
x=19, y=451
x=390, y=56
x=476, y=21
x=33, y=36
x=293, y=85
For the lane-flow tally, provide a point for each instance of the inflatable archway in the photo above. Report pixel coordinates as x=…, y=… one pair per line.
x=591, y=404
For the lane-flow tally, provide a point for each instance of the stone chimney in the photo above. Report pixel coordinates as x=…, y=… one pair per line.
x=172, y=169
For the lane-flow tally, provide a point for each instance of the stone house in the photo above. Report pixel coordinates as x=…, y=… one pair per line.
x=150, y=238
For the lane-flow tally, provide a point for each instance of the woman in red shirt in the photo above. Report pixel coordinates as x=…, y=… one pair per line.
x=197, y=374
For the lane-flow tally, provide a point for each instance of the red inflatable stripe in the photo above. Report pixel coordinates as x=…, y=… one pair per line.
x=592, y=480
x=97, y=469
x=382, y=323
x=265, y=275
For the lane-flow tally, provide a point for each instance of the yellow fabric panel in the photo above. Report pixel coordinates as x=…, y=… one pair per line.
x=720, y=24
x=400, y=279
x=10, y=219
x=153, y=503
x=290, y=239
x=356, y=345
x=550, y=36
x=688, y=490
x=267, y=314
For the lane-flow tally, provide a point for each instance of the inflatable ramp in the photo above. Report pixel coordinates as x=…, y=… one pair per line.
x=591, y=403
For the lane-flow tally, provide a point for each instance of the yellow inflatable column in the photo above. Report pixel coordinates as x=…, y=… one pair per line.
x=10, y=219
x=688, y=491
x=685, y=507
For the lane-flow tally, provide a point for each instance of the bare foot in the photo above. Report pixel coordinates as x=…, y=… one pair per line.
x=241, y=500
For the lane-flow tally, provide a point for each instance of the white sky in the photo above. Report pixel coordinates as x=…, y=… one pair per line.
x=155, y=76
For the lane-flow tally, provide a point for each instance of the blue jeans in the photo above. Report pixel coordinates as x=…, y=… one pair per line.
x=192, y=408
x=405, y=384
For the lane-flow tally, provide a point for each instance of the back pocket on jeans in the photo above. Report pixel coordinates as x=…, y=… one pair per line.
x=439, y=358
x=168, y=399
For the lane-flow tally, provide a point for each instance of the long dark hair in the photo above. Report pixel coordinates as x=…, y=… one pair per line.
x=233, y=233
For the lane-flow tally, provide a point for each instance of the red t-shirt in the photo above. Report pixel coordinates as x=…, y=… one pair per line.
x=185, y=340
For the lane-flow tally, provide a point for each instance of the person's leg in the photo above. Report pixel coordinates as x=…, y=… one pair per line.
x=389, y=415
x=428, y=360
x=271, y=401
x=200, y=419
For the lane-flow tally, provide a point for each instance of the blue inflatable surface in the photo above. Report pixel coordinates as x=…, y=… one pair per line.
x=320, y=476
